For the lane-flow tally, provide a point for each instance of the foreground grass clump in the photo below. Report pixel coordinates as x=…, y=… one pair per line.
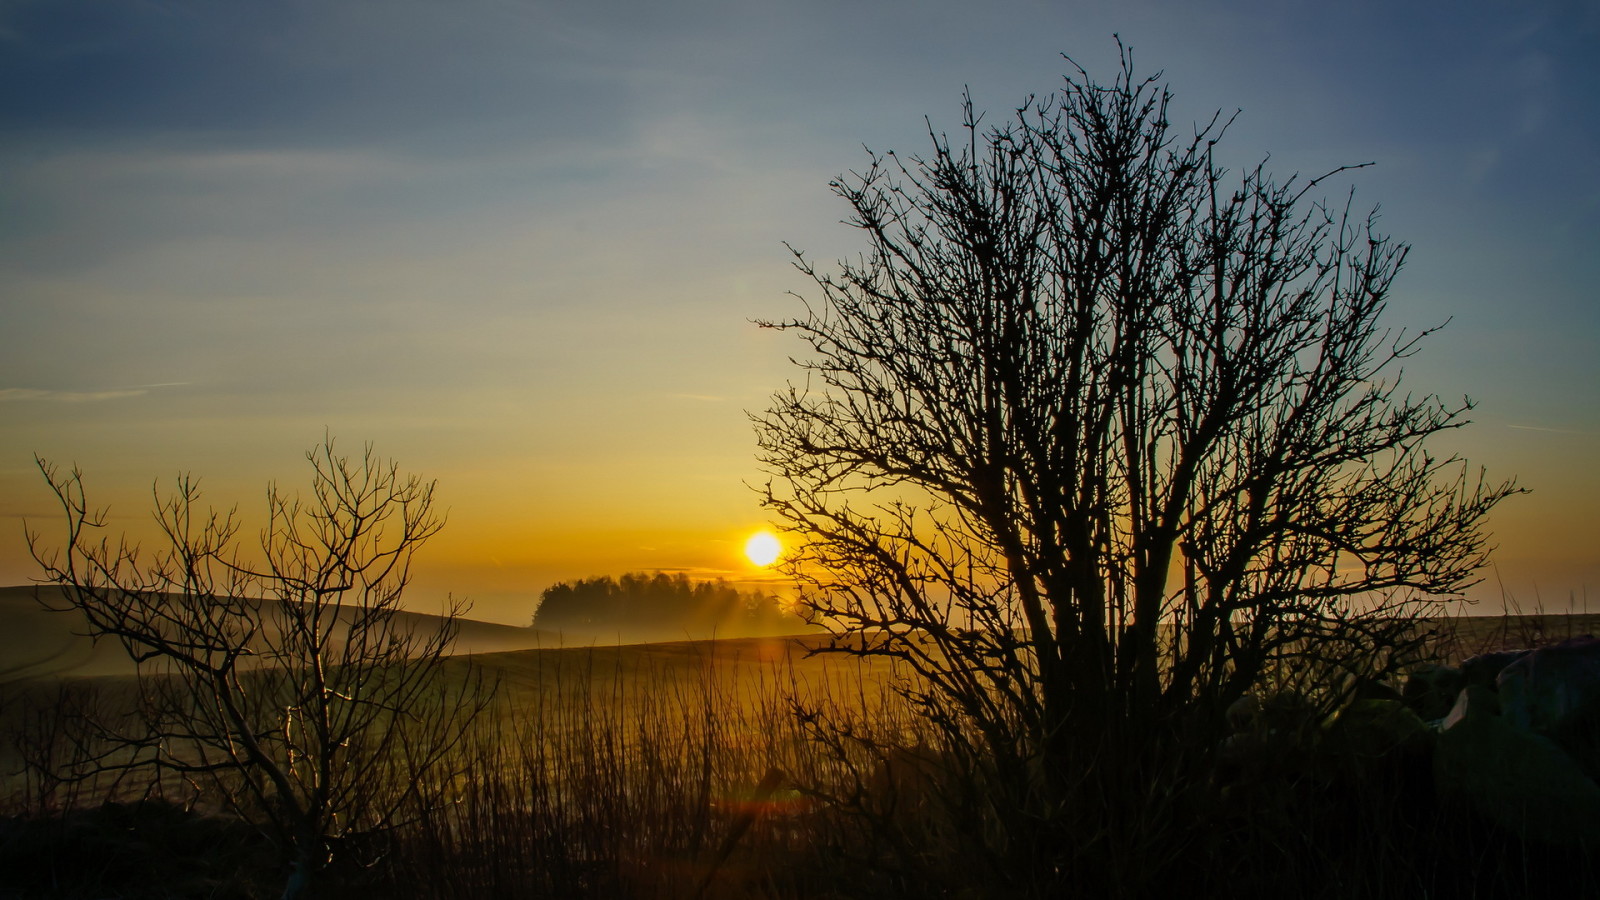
x=141, y=849
x=742, y=769
x=659, y=773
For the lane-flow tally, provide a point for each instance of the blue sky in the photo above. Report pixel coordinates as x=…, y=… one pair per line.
x=518, y=244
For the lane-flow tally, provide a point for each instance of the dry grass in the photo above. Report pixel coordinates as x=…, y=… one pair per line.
x=746, y=768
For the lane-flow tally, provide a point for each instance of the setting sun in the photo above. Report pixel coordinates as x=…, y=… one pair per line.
x=762, y=548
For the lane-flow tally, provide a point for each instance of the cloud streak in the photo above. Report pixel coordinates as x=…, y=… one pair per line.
x=1553, y=430
x=9, y=395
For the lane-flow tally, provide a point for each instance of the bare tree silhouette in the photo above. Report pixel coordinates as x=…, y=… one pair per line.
x=286, y=680
x=1096, y=437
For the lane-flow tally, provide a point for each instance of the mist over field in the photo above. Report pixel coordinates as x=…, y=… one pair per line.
x=40, y=643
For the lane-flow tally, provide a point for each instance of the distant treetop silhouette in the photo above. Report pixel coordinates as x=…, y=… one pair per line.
x=660, y=605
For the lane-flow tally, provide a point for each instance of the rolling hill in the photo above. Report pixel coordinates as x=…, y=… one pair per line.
x=38, y=643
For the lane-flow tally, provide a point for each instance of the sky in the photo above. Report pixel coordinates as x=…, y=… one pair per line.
x=518, y=245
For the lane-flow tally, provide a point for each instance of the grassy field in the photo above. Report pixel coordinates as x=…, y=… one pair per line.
x=636, y=770
x=735, y=768
x=37, y=643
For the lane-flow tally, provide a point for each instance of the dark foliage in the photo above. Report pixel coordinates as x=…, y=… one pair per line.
x=660, y=604
x=135, y=850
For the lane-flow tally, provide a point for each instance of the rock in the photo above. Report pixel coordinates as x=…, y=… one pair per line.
x=1278, y=715
x=1554, y=691
x=1373, y=728
x=1373, y=689
x=1522, y=781
x=1484, y=668
x=1474, y=700
x=1430, y=690
x=1551, y=689
x=1242, y=713
x=1268, y=732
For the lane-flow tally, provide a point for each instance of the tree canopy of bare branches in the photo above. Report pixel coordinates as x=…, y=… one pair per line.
x=1095, y=433
x=282, y=678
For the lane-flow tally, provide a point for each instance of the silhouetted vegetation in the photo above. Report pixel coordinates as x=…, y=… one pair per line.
x=1099, y=439
x=648, y=772
x=1108, y=491
x=285, y=680
x=660, y=605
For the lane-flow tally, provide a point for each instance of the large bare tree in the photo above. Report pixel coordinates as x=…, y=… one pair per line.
x=1095, y=434
x=287, y=678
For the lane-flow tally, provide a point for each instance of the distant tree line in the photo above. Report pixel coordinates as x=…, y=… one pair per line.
x=662, y=604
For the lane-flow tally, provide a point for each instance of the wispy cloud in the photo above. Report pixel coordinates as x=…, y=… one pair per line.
x=49, y=396
x=10, y=394
x=704, y=398
x=1554, y=430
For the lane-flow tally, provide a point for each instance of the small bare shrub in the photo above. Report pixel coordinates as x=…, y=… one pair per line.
x=283, y=680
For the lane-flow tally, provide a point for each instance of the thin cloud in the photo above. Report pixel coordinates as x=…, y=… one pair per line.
x=1554, y=430
x=14, y=394
x=49, y=396
x=704, y=398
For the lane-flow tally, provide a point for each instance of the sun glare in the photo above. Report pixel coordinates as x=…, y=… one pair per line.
x=762, y=548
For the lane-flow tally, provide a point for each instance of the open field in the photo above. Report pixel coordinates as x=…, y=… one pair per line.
x=1464, y=636
x=635, y=770
x=36, y=642
x=690, y=769
x=40, y=643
